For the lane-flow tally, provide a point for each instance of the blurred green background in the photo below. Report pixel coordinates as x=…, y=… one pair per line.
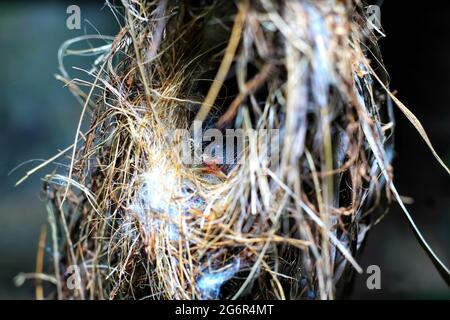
x=38, y=117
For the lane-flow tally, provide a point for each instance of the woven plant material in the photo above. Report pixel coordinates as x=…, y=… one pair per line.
x=277, y=220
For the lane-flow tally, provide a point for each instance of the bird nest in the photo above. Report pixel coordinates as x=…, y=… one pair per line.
x=235, y=150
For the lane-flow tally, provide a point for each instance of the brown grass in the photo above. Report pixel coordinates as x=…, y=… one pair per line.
x=141, y=224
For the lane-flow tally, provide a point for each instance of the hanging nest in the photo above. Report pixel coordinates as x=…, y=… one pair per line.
x=282, y=219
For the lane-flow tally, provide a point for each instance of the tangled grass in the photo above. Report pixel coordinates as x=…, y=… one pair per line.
x=140, y=223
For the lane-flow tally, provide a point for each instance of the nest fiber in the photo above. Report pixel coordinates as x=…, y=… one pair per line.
x=147, y=210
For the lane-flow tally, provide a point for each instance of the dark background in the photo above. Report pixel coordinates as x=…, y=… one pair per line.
x=38, y=116
x=416, y=53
